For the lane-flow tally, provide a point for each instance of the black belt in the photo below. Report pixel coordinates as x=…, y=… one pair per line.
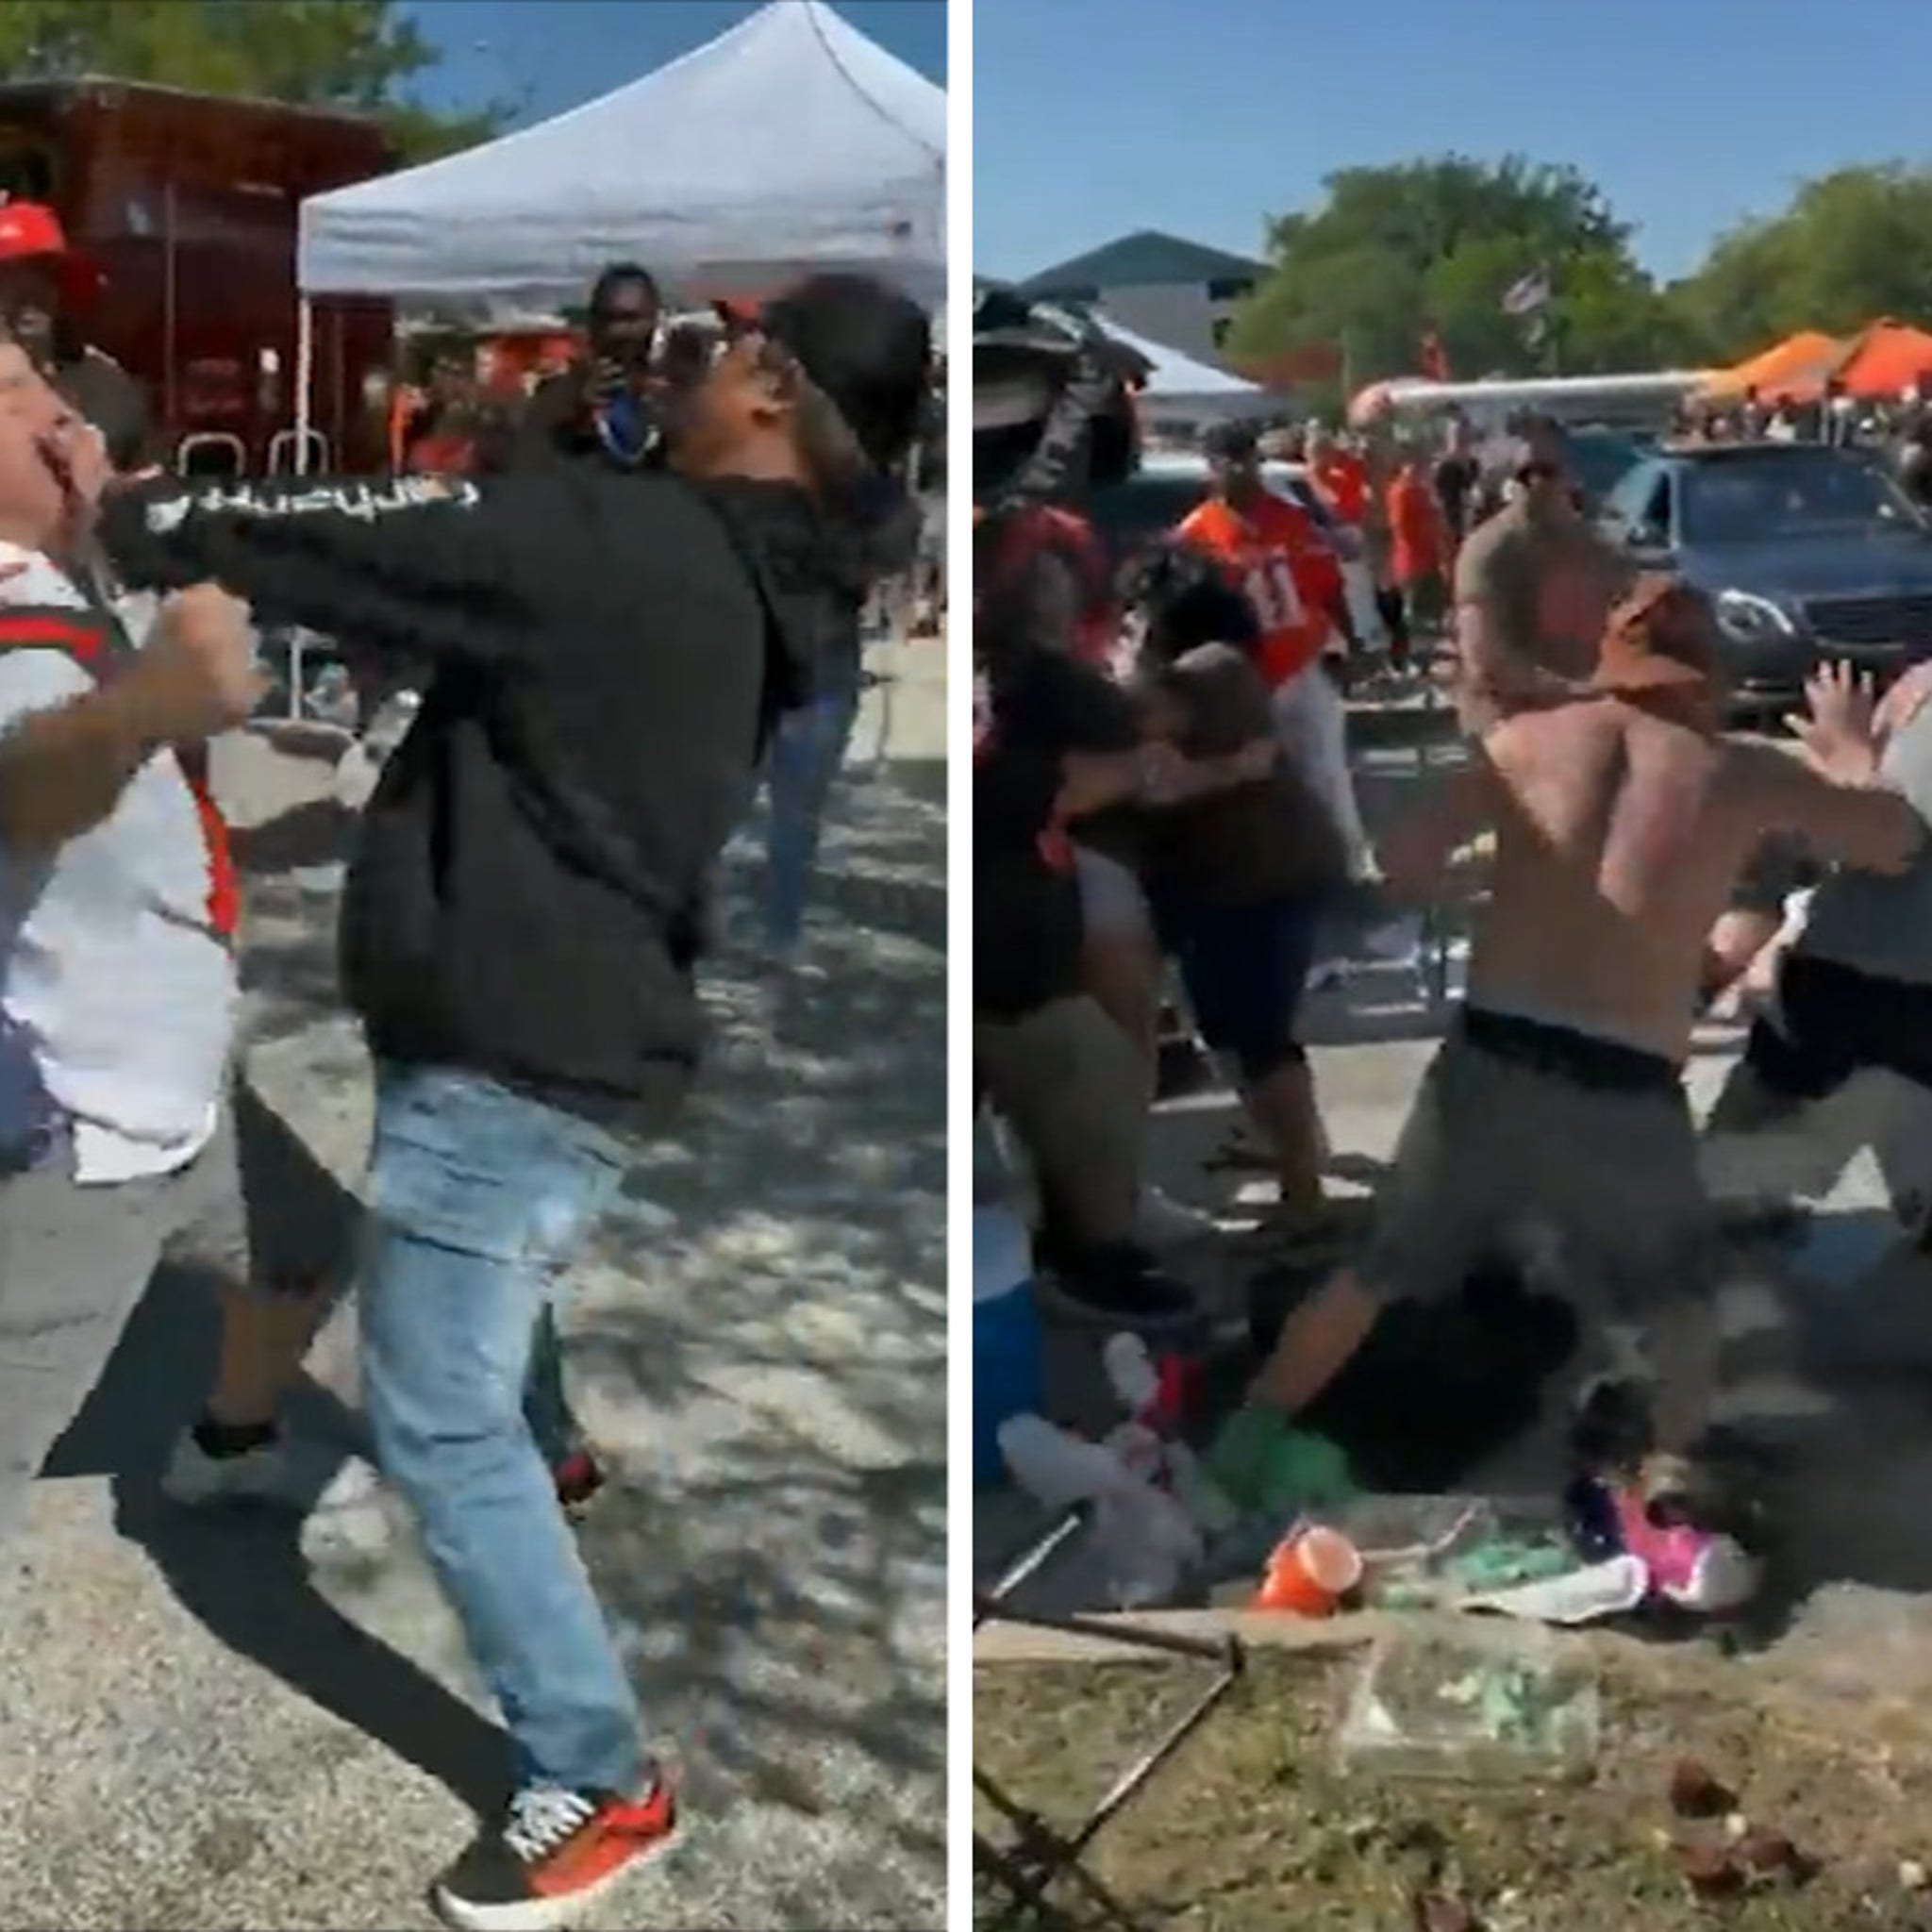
x=1582, y=1059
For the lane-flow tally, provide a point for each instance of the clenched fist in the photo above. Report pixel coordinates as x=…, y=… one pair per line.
x=196, y=676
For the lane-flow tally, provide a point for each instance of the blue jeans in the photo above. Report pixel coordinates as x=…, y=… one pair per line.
x=808, y=748
x=480, y=1198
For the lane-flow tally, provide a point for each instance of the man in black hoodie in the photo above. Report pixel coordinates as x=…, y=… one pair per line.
x=519, y=930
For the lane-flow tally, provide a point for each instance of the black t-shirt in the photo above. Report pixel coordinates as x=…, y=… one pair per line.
x=1050, y=702
x=1027, y=928
x=1027, y=925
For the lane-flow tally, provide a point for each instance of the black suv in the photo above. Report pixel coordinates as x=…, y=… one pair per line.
x=1809, y=552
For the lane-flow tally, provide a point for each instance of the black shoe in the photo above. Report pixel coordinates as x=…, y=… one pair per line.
x=553, y=1852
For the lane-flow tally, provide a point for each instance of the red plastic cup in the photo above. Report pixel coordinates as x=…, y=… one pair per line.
x=1309, y=1574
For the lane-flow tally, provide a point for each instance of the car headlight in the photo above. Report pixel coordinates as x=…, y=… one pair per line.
x=1750, y=620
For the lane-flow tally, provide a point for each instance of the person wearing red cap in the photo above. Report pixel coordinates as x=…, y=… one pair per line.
x=46, y=287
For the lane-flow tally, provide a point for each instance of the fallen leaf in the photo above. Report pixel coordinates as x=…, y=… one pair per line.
x=1765, y=1857
x=1710, y=1871
x=1436, y=1911
x=1696, y=1791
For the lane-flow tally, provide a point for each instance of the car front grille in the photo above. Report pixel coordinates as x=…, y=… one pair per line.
x=1871, y=619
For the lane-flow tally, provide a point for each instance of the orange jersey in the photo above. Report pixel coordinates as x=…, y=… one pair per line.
x=1420, y=545
x=1343, y=483
x=1273, y=553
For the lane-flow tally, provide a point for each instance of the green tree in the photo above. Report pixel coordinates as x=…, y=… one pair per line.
x=1431, y=245
x=362, y=56
x=1851, y=247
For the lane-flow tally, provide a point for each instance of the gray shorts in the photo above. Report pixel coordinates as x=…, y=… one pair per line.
x=253, y=1207
x=1527, y=1138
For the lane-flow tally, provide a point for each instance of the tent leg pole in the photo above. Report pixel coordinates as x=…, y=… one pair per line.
x=304, y=373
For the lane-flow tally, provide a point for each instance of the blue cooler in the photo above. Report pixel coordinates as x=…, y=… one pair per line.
x=1005, y=1334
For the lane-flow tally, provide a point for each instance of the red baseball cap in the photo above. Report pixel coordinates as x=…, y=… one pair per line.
x=30, y=231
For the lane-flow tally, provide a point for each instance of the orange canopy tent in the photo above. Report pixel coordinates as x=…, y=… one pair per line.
x=1885, y=358
x=1782, y=369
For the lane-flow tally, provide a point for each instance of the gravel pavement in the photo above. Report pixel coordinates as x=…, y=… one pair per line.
x=229, y=1722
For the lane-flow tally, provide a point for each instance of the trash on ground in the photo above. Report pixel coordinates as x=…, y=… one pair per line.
x=1589, y=1596
x=1151, y=1507
x=1475, y=1702
x=1310, y=1574
x=1589, y=1558
x=1143, y=1539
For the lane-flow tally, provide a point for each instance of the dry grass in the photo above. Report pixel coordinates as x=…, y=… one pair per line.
x=1255, y=1826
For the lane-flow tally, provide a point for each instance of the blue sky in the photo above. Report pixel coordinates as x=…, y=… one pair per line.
x=1094, y=117
x=557, y=53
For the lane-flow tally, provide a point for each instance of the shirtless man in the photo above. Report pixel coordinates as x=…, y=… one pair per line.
x=1534, y=589
x=1622, y=820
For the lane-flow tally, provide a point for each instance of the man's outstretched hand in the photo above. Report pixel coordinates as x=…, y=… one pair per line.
x=1838, y=727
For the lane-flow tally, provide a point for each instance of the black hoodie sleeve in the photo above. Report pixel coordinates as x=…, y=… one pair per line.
x=413, y=564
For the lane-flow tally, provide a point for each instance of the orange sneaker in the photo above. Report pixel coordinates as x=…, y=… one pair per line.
x=553, y=1852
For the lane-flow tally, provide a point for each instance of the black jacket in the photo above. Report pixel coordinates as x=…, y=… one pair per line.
x=607, y=653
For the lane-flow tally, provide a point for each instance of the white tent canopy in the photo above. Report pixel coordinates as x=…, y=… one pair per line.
x=1180, y=384
x=790, y=142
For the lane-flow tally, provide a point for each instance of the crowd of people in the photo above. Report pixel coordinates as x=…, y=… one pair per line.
x=1143, y=744
x=1898, y=428
x=1200, y=686
x=612, y=636
x=1831, y=416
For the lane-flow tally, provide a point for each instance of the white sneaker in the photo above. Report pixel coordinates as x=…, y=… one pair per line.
x=194, y=1478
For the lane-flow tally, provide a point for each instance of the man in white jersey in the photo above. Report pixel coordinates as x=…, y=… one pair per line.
x=117, y=977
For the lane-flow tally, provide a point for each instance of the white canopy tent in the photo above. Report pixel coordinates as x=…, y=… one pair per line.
x=1183, y=387
x=790, y=143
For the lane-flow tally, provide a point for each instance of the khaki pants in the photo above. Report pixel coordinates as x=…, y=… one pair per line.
x=1075, y=1091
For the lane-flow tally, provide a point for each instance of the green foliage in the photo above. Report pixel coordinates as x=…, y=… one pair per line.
x=1851, y=247
x=356, y=55
x=1394, y=253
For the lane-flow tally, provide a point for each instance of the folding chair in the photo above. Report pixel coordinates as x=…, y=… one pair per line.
x=1038, y=1857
